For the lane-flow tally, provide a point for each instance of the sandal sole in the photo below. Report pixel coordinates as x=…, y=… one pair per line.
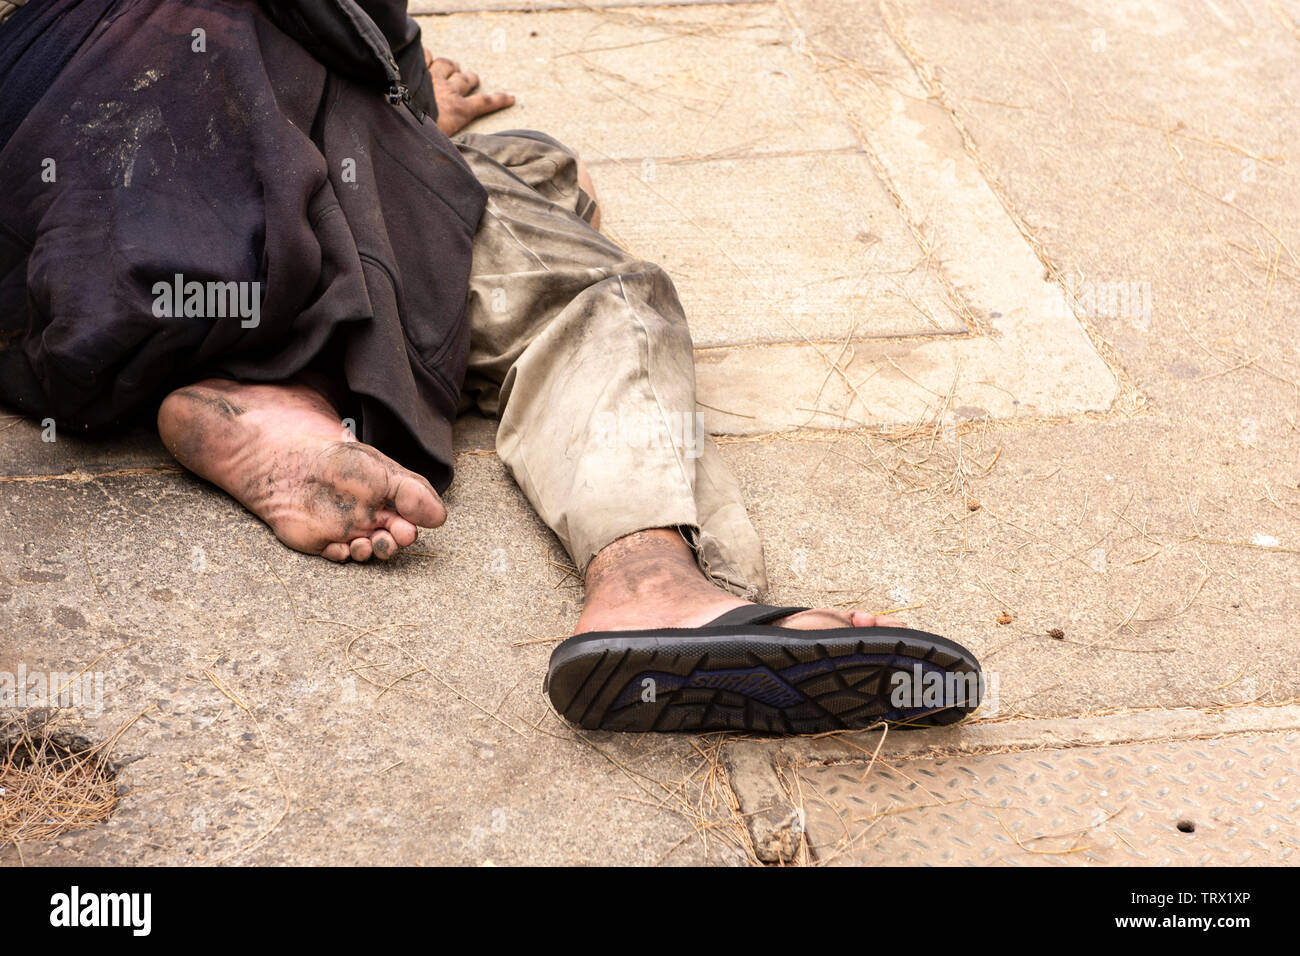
x=763, y=679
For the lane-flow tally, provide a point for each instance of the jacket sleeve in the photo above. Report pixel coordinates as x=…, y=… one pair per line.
x=403, y=35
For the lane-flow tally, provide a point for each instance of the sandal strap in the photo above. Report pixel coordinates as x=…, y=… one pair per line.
x=753, y=614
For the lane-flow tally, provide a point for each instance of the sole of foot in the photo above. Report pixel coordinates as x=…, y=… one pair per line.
x=283, y=453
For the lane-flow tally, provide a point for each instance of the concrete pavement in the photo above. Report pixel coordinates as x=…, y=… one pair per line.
x=996, y=307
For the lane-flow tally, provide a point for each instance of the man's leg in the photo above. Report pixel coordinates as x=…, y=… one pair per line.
x=584, y=353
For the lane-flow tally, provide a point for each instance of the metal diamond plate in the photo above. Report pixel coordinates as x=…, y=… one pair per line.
x=1229, y=801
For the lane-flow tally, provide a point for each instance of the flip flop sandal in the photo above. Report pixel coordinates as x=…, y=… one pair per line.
x=739, y=672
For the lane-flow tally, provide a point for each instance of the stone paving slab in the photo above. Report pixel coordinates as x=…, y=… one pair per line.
x=840, y=267
x=967, y=266
x=650, y=81
x=1032, y=357
x=752, y=191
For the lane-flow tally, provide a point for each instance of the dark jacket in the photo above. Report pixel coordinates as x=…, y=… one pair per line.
x=292, y=152
x=371, y=41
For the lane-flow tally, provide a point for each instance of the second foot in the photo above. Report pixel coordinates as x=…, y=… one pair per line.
x=282, y=452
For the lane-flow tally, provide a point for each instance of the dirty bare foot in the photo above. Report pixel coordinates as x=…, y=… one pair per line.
x=283, y=453
x=453, y=92
x=650, y=579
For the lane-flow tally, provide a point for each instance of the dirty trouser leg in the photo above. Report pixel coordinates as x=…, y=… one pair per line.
x=584, y=353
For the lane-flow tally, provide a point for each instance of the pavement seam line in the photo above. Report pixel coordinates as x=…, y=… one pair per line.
x=1130, y=397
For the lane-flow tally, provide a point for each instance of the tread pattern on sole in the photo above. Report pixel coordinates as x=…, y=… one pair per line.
x=767, y=681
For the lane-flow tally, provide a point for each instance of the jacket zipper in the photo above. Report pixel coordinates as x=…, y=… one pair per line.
x=398, y=94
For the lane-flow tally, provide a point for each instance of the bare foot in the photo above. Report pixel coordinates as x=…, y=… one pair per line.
x=650, y=579
x=283, y=453
x=453, y=91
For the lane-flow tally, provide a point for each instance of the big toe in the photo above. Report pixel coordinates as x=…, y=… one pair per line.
x=417, y=502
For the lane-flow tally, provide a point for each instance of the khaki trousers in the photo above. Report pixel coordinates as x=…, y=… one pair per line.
x=583, y=353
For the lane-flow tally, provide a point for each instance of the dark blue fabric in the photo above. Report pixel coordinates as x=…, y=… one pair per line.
x=251, y=163
x=36, y=43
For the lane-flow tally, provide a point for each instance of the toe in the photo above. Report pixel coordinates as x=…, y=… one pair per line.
x=361, y=549
x=384, y=545
x=825, y=617
x=403, y=532
x=338, y=551
x=417, y=502
x=863, y=619
x=816, y=620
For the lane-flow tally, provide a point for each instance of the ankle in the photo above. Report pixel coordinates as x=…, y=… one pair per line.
x=650, y=579
x=642, y=561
